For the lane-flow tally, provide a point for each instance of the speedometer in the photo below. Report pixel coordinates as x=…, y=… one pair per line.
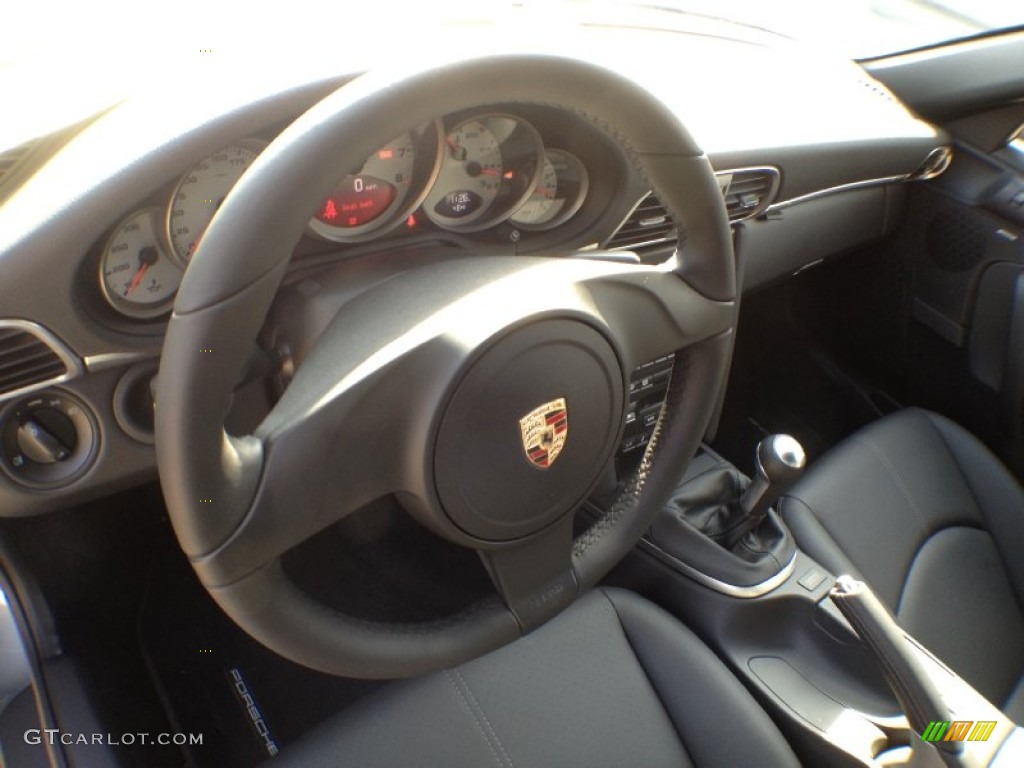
x=489, y=168
x=389, y=186
x=200, y=193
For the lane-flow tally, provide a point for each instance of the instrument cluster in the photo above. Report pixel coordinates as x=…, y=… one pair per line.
x=463, y=174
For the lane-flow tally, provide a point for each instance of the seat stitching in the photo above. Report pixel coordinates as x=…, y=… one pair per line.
x=480, y=710
x=963, y=475
x=476, y=721
x=898, y=479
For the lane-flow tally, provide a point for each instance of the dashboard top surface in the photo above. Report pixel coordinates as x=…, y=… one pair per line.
x=750, y=99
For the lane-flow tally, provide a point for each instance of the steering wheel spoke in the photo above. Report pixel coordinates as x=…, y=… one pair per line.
x=535, y=578
x=336, y=441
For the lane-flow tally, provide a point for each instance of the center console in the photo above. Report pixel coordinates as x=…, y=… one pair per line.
x=721, y=559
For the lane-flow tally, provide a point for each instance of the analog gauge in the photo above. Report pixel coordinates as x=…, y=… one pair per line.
x=200, y=193
x=389, y=186
x=558, y=195
x=137, y=276
x=489, y=167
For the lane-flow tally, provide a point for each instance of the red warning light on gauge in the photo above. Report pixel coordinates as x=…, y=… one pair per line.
x=356, y=201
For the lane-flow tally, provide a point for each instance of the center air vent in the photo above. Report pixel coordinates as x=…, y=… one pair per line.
x=648, y=228
x=30, y=357
x=748, y=191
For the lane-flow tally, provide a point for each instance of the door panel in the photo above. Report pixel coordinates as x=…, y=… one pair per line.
x=963, y=237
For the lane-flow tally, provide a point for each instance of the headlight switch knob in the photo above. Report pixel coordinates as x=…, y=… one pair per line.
x=48, y=436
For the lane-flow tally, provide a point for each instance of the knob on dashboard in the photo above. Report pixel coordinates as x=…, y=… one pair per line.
x=42, y=438
x=47, y=439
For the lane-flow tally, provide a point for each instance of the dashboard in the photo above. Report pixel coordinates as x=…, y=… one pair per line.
x=475, y=179
x=98, y=227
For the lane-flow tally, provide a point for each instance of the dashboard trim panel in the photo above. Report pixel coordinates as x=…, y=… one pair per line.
x=783, y=204
x=106, y=360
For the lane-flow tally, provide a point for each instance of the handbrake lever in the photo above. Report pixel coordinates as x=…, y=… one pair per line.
x=917, y=695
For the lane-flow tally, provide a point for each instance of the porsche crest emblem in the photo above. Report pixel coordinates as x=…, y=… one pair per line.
x=544, y=432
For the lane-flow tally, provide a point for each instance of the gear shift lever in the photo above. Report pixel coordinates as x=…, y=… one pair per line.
x=780, y=461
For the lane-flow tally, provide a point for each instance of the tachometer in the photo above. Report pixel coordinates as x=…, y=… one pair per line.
x=137, y=276
x=490, y=166
x=558, y=195
x=389, y=186
x=200, y=193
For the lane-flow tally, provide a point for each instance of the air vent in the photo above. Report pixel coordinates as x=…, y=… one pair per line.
x=30, y=357
x=748, y=191
x=648, y=228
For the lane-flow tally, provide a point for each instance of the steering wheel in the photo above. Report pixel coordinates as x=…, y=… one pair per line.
x=427, y=386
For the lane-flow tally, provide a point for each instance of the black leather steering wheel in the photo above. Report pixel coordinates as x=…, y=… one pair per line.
x=417, y=387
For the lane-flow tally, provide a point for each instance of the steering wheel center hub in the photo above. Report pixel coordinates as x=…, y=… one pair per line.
x=529, y=429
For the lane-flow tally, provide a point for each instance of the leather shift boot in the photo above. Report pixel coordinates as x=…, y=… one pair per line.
x=701, y=513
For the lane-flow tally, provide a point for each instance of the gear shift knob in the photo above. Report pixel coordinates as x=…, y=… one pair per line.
x=780, y=461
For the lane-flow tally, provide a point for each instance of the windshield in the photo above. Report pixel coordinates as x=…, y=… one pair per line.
x=87, y=55
x=853, y=28
x=861, y=29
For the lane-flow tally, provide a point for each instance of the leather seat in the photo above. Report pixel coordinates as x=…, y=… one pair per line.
x=918, y=508
x=613, y=681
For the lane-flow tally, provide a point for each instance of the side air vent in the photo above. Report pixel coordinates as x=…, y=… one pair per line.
x=649, y=227
x=748, y=191
x=30, y=357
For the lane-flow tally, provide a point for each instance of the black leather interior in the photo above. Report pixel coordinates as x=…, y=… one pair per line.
x=921, y=510
x=613, y=681
x=711, y=502
x=700, y=515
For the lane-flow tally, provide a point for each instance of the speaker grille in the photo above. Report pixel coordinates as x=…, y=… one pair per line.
x=956, y=239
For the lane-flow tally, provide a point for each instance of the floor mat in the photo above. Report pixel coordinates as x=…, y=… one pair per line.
x=246, y=702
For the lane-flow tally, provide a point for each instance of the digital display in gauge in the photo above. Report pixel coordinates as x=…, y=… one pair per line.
x=489, y=165
x=382, y=183
x=559, y=193
x=385, y=190
x=472, y=159
x=200, y=193
x=358, y=200
x=137, y=276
